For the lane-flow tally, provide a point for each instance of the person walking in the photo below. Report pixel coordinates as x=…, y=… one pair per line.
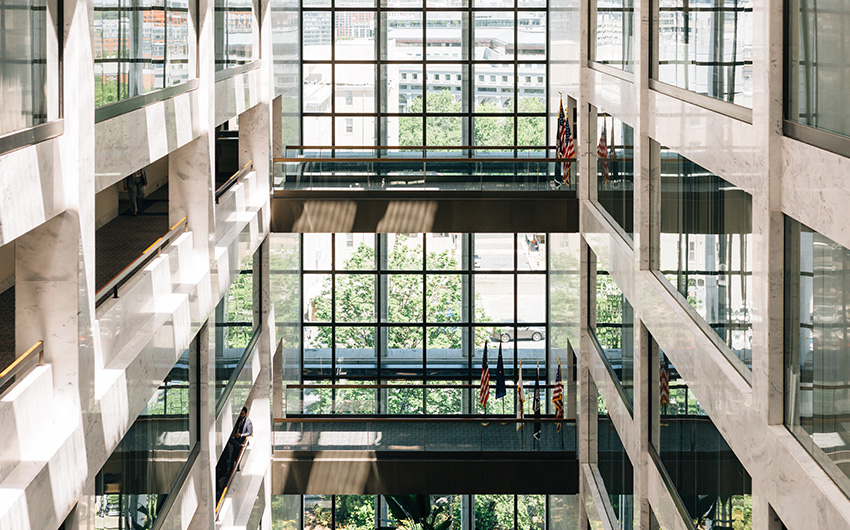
x=241, y=431
x=135, y=186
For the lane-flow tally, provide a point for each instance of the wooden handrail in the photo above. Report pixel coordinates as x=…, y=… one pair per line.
x=244, y=170
x=110, y=290
x=230, y=479
x=22, y=363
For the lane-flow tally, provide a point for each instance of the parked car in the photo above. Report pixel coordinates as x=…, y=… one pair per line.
x=523, y=332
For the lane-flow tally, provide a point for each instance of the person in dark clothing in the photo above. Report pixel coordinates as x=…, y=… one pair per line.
x=135, y=186
x=241, y=431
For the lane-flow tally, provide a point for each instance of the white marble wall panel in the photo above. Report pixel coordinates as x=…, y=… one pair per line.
x=799, y=490
x=815, y=189
x=614, y=95
x=727, y=147
x=133, y=140
x=662, y=502
x=21, y=412
x=236, y=94
x=32, y=189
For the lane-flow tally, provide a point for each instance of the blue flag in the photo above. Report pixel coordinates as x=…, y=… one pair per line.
x=501, y=389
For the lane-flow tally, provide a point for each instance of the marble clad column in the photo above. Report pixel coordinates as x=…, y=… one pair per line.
x=191, y=189
x=768, y=221
x=254, y=144
x=277, y=127
x=586, y=421
x=204, y=518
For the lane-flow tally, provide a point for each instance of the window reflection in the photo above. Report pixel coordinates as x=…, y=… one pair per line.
x=234, y=33
x=615, y=330
x=818, y=70
x=712, y=484
x=143, y=471
x=23, y=55
x=616, y=469
x=614, y=28
x=139, y=47
x=706, y=248
x=707, y=47
x=615, y=149
x=817, y=347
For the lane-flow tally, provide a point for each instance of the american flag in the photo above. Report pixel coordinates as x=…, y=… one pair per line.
x=520, y=400
x=565, y=148
x=537, y=403
x=558, y=397
x=602, y=153
x=484, y=391
x=665, y=387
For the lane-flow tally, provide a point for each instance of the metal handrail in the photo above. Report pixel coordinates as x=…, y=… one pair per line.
x=350, y=418
x=425, y=160
x=408, y=386
x=229, y=183
x=230, y=479
x=422, y=147
x=110, y=290
x=20, y=365
x=228, y=388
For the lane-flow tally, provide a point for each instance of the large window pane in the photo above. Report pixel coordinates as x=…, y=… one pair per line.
x=23, y=55
x=404, y=352
x=615, y=170
x=446, y=356
x=316, y=32
x=444, y=299
x=354, y=347
x=615, y=330
x=707, y=50
x=714, y=488
x=817, y=358
x=355, y=251
x=354, y=35
x=706, y=248
x=614, y=26
x=445, y=36
x=616, y=470
x=494, y=297
x=818, y=69
x=355, y=298
x=234, y=38
x=354, y=87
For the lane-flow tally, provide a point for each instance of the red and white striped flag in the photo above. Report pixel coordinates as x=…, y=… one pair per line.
x=665, y=387
x=484, y=390
x=602, y=153
x=565, y=149
x=558, y=397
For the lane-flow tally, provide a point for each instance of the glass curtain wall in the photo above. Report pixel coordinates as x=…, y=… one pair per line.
x=614, y=330
x=23, y=64
x=612, y=41
x=706, y=248
x=479, y=512
x=713, y=486
x=817, y=67
x=234, y=33
x=424, y=72
x=817, y=352
x=403, y=308
x=133, y=485
x=706, y=47
x=615, y=149
x=140, y=46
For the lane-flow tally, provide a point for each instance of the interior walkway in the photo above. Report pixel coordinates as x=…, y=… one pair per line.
x=120, y=241
x=7, y=327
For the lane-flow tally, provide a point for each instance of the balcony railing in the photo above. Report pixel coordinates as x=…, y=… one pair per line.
x=22, y=366
x=110, y=290
x=419, y=168
x=418, y=433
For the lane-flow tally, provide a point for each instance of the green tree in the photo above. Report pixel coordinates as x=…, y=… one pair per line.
x=442, y=130
x=531, y=130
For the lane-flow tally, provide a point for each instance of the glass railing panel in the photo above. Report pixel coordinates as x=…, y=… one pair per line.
x=711, y=483
x=144, y=470
x=614, y=330
x=616, y=470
